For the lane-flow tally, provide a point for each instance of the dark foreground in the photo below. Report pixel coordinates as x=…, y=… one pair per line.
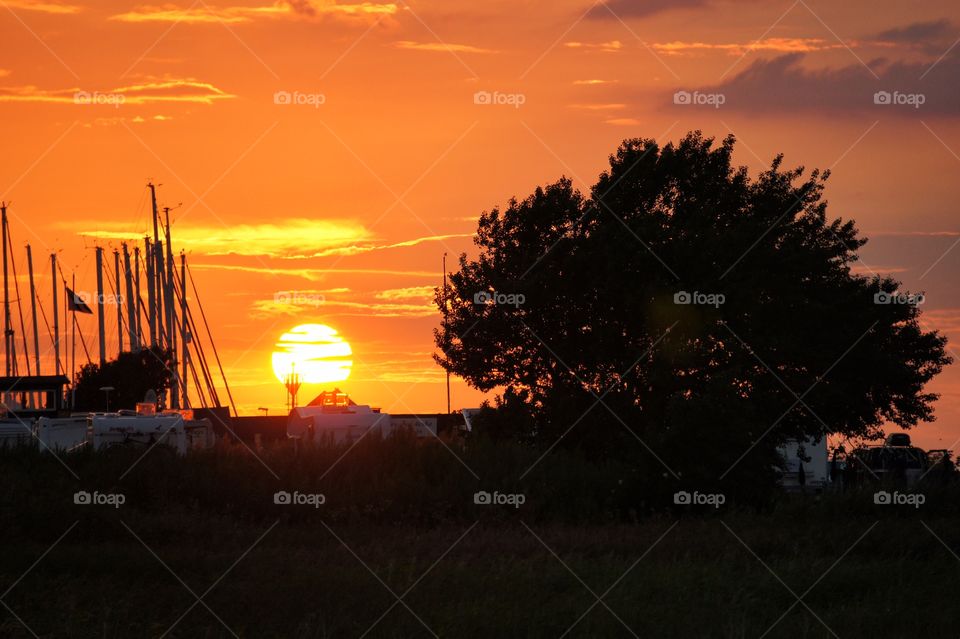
x=160, y=565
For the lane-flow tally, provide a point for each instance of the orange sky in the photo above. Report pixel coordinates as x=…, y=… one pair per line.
x=355, y=192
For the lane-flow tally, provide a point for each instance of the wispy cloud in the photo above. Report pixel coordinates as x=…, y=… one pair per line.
x=42, y=7
x=612, y=106
x=411, y=292
x=411, y=45
x=292, y=238
x=309, y=274
x=357, y=249
x=593, y=82
x=148, y=92
x=282, y=9
x=607, y=47
x=777, y=45
x=623, y=122
x=283, y=238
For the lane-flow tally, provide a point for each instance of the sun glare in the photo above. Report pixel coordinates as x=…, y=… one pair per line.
x=314, y=351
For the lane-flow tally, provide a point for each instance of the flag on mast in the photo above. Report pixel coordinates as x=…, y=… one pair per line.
x=75, y=303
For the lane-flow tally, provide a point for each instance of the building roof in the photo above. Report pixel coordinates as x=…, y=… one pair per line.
x=33, y=383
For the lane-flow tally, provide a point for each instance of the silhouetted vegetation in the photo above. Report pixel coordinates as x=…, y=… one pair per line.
x=400, y=506
x=683, y=317
x=131, y=375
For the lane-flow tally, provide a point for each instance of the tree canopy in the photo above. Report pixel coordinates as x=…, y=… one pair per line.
x=131, y=375
x=683, y=307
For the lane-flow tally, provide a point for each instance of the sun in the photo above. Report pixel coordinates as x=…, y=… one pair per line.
x=315, y=352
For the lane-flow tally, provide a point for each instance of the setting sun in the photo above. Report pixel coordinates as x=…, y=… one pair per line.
x=314, y=351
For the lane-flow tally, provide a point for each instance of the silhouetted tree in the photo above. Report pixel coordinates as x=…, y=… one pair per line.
x=575, y=308
x=131, y=375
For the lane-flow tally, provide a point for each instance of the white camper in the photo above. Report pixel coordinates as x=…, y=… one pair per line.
x=105, y=430
x=61, y=433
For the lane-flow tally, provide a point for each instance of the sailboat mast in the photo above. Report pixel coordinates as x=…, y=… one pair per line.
x=184, y=335
x=151, y=292
x=56, y=313
x=100, y=318
x=130, y=300
x=136, y=280
x=171, y=317
x=118, y=299
x=33, y=309
x=6, y=295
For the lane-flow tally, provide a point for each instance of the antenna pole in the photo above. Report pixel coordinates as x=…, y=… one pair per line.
x=33, y=307
x=100, y=318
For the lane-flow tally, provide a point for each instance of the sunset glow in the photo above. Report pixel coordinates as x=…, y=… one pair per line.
x=320, y=156
x=314, y=352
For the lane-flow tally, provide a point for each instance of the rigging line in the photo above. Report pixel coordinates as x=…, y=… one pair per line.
x=205, y=366
x=198, y=349
x=16, y=288
x=196, y=383
x=82, y=341
x=203, y=314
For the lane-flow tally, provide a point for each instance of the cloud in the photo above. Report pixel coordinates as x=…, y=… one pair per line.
x=919, y=32
x=310, y=274
x=778, y=45
x=282, y=9
x=292, y=238
x=283, y=238
x=440, y=46
x=42, y=7
x=607, y=47
x=271, y=307
x=784, y=84
x=613, y=9
x=411, y=292
x=599, y=107
x=357, y=249
x=148, y=92
x=623, y=121
x=593, y=82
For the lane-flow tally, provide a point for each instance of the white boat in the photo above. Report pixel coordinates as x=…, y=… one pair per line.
x=335, y=417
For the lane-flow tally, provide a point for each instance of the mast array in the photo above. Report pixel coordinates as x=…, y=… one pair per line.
x=168, y=327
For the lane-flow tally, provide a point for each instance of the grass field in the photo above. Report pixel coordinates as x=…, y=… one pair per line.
x=207, y=527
